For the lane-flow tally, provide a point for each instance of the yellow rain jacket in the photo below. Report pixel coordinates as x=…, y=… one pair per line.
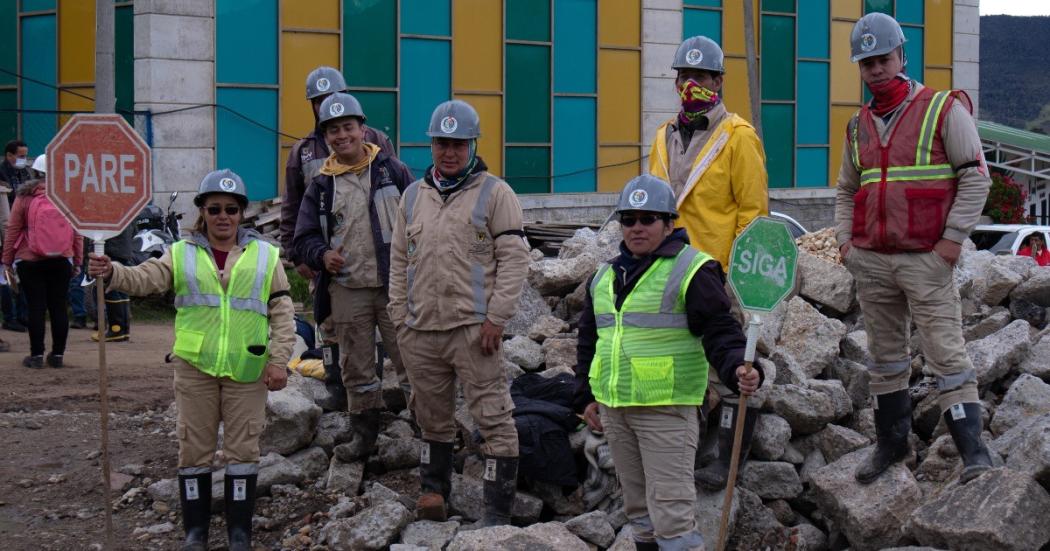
x=727, y=187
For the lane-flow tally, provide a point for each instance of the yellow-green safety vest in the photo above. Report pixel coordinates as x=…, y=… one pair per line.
x=223, y=333
x=645, y=355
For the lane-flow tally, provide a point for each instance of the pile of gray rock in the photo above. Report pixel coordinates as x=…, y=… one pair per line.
x=797, y=492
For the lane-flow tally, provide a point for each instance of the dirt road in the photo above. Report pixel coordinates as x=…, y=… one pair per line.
x=50, y=489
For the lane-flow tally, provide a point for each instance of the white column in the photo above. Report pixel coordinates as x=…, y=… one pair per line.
x=661, y=34
x=966, y=49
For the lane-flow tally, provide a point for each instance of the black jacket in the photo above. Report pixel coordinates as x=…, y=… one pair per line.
x=311, y=241
x=543, y=418
x=707, y=309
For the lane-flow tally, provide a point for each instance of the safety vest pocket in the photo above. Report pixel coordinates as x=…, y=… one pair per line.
x=653, y=379
x=595, y=373
x=188, y=345
x=926, y=213
x=253, y=361
x=860, y=215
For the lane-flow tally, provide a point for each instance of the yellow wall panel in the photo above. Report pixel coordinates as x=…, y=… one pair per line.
x=734, y=87
x=613, y=178
x=76, y=42
x=938, y=79
x=733, y=28
x=300, y=54
x=849, y=8
x=70, y=102
x=619, y=96
x=490, y=145
x=840, y=116
x=282, y=161
x=316, y=14
x=619, y=23
x=938, y=48
x=477, y=49
x=845, y=78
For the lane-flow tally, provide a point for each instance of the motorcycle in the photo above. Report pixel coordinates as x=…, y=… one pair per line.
x=156, y=230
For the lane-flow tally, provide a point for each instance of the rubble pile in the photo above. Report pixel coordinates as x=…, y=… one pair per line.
x=797, y=491
x=821, y=244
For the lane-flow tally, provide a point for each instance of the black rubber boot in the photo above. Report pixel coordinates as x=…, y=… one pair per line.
x=892, y=427
x=195, y=500
x=435, y=481
x=366, y=424
x=714, y=476
x=333, y=378
x=240, y=504
x=501, y=481
x=964, y=423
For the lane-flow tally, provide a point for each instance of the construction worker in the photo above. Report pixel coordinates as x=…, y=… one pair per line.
x=233, y=335
x=305, y=160
x=343, y=232
x=656, y=318
x=911, y=187
x=715, y=163
x=457, y=264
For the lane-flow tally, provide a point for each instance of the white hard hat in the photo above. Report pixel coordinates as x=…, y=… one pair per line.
x=40, y=164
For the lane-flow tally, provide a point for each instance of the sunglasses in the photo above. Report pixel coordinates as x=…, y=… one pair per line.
x=215, y=210
x=628, y=220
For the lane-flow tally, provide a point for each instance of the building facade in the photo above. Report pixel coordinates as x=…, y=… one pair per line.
x=569, y=91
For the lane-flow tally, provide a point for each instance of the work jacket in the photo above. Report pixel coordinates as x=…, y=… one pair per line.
x=726, y=189
x=158, y=276
x=458, y=257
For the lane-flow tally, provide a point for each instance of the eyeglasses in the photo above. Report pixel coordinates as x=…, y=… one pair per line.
x=214, y=210
x=629, y=221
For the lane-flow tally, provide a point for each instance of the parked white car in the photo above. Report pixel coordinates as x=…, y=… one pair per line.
x=1006, y=238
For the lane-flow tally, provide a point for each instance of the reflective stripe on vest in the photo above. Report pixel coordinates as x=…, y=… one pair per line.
x=479, y=219
x=645, y=354
x=224, y=333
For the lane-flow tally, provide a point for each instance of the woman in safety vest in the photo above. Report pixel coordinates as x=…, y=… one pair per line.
x=234, y=332
x=656, y=318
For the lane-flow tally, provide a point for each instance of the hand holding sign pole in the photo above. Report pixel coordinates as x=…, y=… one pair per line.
x=762, y=271
x=99, y=175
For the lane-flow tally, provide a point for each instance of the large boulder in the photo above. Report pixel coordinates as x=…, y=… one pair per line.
x=869, y=515
x=856, y=378
x=313, y=461
x=1038, y=361
x=546, y=327
x=593, y=527
x=523, y=351
x=344, y=477
x=333, y=428
x=559, y=352
x=854, y=347
x=398, y=453
x=561, y=276
x=1028, y=397
x=826, y=283
x=1035, y=289
x=997, y=354
x=548, y=536
x=709, y=512
x=373, y=528
x=275, y=469
x=467, y=499
x=1002, y=509
x=836, y=441
x=531, y=307
x=987, y=325
x=810, y=337
x=996, y=283
x=769, y=332
x=429, y=534
x=771, y=479
x=291, y=421
x=1022, y=265
x=805, y=409
x=1027, y=448
x=1029, y=311
x=836, y=392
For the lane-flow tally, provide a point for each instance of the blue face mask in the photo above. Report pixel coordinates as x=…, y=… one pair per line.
x=20, y=162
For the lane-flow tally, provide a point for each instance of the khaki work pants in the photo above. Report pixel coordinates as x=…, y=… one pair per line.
x=355, y=315
x=434, y=360
x=653, y=449
x=203, y=401
x=888, y=287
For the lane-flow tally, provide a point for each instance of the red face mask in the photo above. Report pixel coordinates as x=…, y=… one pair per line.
x=888, y=95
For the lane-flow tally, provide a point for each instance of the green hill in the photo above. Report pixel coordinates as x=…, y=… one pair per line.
x=1015, y=80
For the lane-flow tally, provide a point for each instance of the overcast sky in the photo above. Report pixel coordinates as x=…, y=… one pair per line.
x=1015, y=7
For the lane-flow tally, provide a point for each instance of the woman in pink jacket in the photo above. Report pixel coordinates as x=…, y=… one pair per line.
x=40, y=244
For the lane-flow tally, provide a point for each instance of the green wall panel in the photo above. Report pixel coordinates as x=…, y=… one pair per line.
x=911, y=11
x=418, y=158
x=429, y=17
x=778, y=136
x=528, y=20
x=576, y=39
x=425, y=82
x=528, y=94
x=124, y=60
x=884, y=6
x=246, y=41
x=575, y=149
x=243, y=147
x=813, y=102
x=38, y=5
x=813, y=29
x=381, y=110
x=782, y=6
x=702, y=22
x=778, y=57
x=370, y=57
x=914, y=49
x=528, y=169
x=812, y=166
x=39, y=62
x=8, y=116
x=8, y=41
x=707, y=3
